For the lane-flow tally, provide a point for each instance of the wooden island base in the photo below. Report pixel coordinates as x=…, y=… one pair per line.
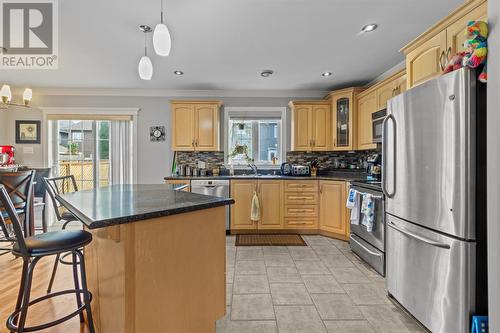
x=164, y=274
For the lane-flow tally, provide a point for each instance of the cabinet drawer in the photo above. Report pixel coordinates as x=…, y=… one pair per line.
x=301, y=210
x=301, y=223
x=301, y=186
x=310, y=198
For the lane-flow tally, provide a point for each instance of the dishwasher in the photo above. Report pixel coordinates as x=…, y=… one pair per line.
x=216, y=188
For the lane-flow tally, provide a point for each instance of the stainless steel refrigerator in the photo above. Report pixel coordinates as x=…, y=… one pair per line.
x=434, y=183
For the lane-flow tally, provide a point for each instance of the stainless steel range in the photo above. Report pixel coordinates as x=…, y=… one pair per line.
x=370, y=245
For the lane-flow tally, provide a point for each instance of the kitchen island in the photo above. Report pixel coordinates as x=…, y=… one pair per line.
x=157, y=259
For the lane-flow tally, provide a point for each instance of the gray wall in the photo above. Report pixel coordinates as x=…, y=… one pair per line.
x=493, y=163
x=155, y=158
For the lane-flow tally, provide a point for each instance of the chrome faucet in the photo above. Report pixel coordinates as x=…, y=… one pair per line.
x=254, y=168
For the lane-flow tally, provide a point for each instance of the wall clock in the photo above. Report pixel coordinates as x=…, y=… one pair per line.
x=157, y=133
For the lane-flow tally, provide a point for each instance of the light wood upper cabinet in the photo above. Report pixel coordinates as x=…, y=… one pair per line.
x=311, y=125
x=301, y=128
x=333, y=213
x=271, y=204
x=344, y=119
x=455, y=33
x=242, y=194
x=207, y=127
x=367, y=104
x=183, y=127
x=195, y=125
x=321, y=135
x=385, y=93
x=400, y=84
x=426, y=61
x=427, y=55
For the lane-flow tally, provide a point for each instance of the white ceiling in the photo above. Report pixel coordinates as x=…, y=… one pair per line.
x=224, y=44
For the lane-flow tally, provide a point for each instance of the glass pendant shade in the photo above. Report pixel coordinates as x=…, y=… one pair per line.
x=145, y=68
x=27, y=95
x=161, y=40
x=6, y=94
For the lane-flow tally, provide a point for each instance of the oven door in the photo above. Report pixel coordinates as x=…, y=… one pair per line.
x=377, y=121
x=377, y=236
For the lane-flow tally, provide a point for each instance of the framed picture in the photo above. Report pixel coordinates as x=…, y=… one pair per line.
x=28, y=131
x=157, y=133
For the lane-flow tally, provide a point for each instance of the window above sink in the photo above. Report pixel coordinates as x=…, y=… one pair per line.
x=254, y=134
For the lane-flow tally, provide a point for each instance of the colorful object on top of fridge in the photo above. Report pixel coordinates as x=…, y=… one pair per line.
x=7, y=155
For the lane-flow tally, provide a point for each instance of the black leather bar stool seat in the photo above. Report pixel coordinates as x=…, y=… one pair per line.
x=54, y=242
x=31, y=250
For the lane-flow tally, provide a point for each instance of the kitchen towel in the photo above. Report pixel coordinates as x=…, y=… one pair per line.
x=368, y=210
x=353, y=204
x=255, y=210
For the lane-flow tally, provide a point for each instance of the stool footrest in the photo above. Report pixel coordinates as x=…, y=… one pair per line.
x=10, y=321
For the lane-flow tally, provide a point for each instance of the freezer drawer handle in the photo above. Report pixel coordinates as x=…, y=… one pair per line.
x=417, y=237
x=366, y=249
x=384, y=156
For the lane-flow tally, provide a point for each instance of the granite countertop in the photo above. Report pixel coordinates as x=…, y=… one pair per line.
x=118, y=204
x=336, y=175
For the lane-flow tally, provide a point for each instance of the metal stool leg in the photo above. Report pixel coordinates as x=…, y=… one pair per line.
x=52, y=277
x=26, y=295
x=21, y=288
x=77, y=285
x=86, y=295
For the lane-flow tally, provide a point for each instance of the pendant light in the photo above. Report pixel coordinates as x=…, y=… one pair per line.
x=162, y=42
x=145, y=64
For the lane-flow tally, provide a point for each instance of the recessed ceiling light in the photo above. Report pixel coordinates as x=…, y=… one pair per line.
x=178, y=72
x=326, y=74
x=369, y=27
x=266, y=73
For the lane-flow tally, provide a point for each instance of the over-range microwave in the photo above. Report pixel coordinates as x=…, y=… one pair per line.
x=377, y=120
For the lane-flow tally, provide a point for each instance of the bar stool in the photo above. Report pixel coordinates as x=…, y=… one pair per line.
x=60, y=185
x=31, y=250
x=40, y=192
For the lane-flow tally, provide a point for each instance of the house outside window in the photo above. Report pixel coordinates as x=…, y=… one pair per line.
x=254, y=135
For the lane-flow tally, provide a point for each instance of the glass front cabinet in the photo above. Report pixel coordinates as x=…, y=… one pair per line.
x=344, y=119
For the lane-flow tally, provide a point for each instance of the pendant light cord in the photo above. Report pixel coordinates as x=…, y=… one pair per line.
x=145, y=45
x=161, y=15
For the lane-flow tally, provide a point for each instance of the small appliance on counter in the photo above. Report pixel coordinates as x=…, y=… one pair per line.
x=7, y=156
x=288, y=169
x=374, y=168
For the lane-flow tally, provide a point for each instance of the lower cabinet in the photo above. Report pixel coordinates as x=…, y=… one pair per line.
x=291, y=205
x=270, y=193
x=242, y=193
x=333, y=212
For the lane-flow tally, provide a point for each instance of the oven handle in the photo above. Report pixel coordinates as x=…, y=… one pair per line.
x=419, y=238
x=384, y=156
x=365, y=248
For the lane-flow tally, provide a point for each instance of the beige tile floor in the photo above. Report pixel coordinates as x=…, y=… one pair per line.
x=323, y=287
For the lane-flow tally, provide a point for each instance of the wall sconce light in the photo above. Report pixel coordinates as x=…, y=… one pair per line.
x=6, y=95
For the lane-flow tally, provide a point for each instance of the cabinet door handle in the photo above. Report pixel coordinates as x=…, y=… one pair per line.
x=192, y=143
x=448, y=54
x=335, y=142
x=321, y=189
x=441, y=59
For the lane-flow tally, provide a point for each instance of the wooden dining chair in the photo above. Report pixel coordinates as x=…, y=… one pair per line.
x=19, y=186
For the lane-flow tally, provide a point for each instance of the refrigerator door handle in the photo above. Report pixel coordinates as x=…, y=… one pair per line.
x=419, y=238
x=384, y=155
x=365, y=248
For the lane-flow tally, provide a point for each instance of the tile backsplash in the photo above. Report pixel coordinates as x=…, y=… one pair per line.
x=330, y=160
x=191, y=158
x=327, y=160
